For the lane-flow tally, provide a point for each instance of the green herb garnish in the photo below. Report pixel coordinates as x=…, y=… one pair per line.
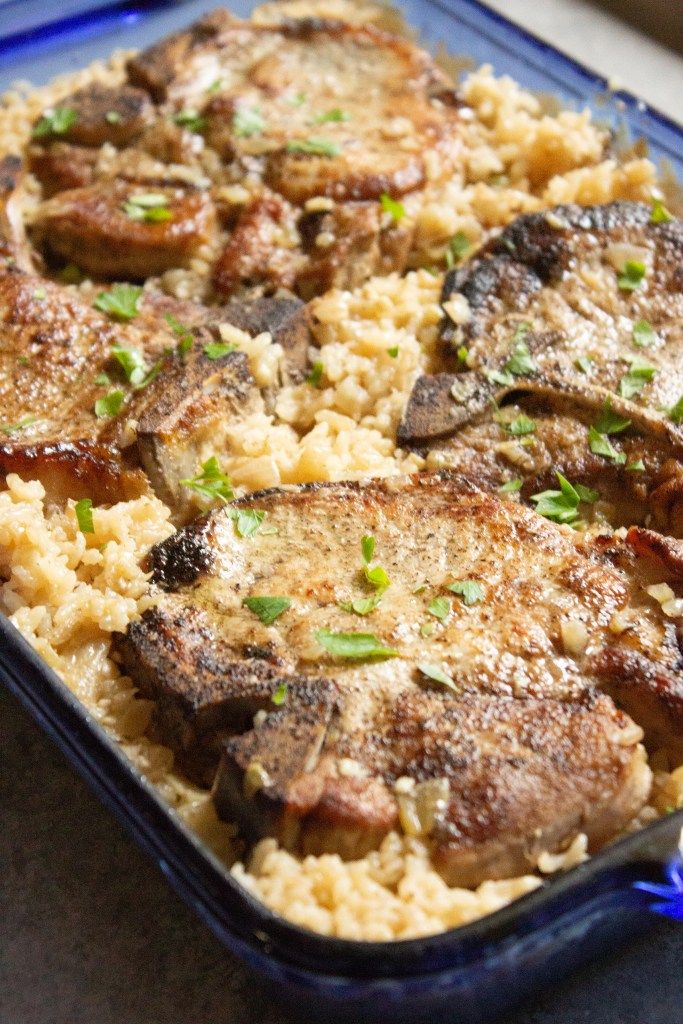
x=520, y=426
x=314, y=147
x=215, y=85
x=469, y=590
x=636, y=467
x=335, y=115
x=583, y=364
x=132, y=362
x=247, y=122
x=676, y=411
x=437, y=674
x=151, y=207
x=635, y=380
x=457, y=249
x=660, y=214
x=14, y=428
x=315, y=376
x=248, y=521
x=211, y=483
x=110, y=405
x=600, y=444
x=362, y=605
x=559, y=506
x=367, y=546
x=354, y=646
x=218, y=349
x=56, y=123
x=643, y=333
x=267, y=609
x=609, y=422
x=102, y=380
x=83, y=510
x=392, y=206
x=191, y=120
x=393, y=352
x=112, y=117
x=183, y=334
x=631, y=276
x=511, y=486
x=279, y=695
x=121, y=301
x=520, y=362
x=439, y=607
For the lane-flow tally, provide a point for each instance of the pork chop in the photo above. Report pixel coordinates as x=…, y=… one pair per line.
x=575, y=315
x=114, y=230
x=475, y=631
x=379, y=105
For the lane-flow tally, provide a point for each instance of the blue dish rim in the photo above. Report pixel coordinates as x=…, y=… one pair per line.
x=259, y=935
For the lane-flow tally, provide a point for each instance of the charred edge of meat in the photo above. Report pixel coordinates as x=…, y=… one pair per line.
x=531, y=252
x=180, y=559
x=666, y=550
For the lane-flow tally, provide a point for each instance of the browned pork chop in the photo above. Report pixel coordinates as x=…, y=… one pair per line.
x=327, y=108
x=575, y=317
x=483, y=674
x=121, y=230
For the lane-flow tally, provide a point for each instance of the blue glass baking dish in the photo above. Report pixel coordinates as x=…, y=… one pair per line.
x=473, y=973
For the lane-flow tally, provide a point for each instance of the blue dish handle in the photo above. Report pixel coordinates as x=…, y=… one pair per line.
x=669, y=902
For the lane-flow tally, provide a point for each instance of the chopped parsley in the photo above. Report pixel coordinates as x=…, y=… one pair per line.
x=39, y=294
x=71, y=274
x=636, y=467
x=511, y=486
x=248, y=521
x=520, y=426
x=560, y=506
x=279, y=695
x=183, y=334
x=367, y=546
x=392, y=206
x=462, y=353
x=635, y=380
x=110, y=405
x=583, y=364
x=643, y=334
x=121, y=301
x=211, y=483
x=267, y=609
x=83, y=510
x=14, y=428
x=247, y=122
x=393, y=352
x=609, y=422
x=314, y=147
x=215, y=86
x=56, y=123
x=457, y=249
x=437, y=674
x=520, y=362
x=676, y=411
x=354, y=646
x=335, y=115
x=102, y=380
x=132, y=363
x=631, y=276
x=362, y=605
x=469, y=590
x=426, y=629
x=112, y=117
x=191, y=120
x=439, y=607
x=315, y=376
x=660, y=214
x=151, y=207
x=600, y=444
x=297, y=100
x=218, y=349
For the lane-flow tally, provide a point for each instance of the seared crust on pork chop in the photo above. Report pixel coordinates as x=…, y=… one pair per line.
x=549, y=318
x=530, y=648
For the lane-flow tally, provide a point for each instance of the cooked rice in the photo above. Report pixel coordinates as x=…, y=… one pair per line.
x=67, y=592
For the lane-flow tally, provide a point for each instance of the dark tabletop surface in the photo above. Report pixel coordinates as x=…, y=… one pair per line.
x=90, y=933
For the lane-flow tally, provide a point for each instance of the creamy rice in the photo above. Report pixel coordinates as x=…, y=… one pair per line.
x=67, y=592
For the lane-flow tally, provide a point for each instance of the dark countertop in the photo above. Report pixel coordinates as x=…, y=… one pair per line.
x=90, y=933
